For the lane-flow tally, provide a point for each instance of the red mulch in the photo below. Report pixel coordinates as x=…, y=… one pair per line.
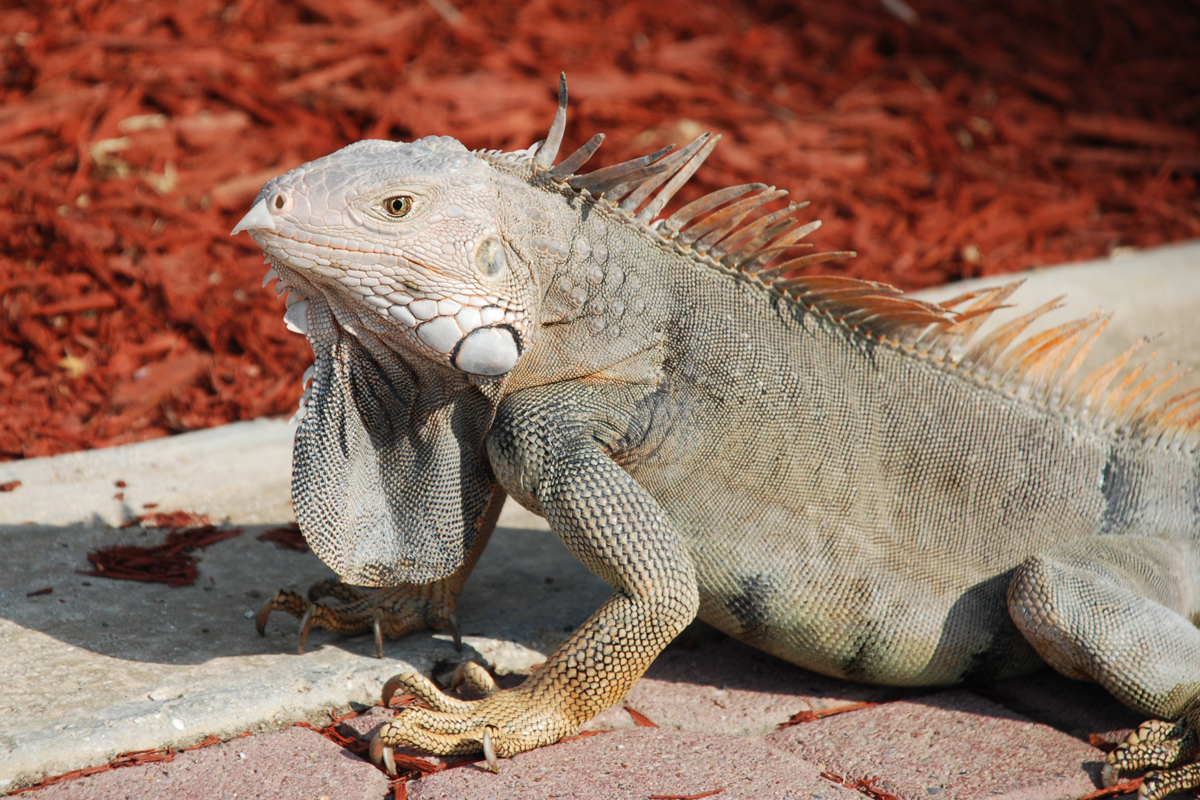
x=687, y=796
x=808, y=715
x=170, y=562
x=983, y=137
x=862, y=785
x=1116, y=790
x=640, y=719
x=287, y=537
x=169, y=519
x=409, y=766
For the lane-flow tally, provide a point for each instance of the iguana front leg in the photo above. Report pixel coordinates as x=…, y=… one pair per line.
x=390, y=612
x=1119, y=610
x=619, y=531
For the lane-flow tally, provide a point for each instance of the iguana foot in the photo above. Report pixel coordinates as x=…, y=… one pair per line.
x=502, y=723
x=1166, y=747
x=390, y=612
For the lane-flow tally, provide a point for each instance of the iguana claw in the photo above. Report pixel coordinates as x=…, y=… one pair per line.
x=1165, y=747
x=389, y=688
x=489, y=750
x=382, y=754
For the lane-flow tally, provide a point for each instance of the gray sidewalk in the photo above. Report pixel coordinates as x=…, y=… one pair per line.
x=98, y=667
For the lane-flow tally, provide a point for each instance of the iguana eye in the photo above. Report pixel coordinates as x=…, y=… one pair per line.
x=397, y=206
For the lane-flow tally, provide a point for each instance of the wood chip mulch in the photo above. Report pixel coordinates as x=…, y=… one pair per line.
x=861, y=785
x=810, y=715
x=640, y=719
x=287, y=537
x=709, y=793
x=939, y=138
x=171, y=562
x=1116, y=790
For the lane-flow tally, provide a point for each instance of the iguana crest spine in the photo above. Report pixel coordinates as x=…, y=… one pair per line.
x=713, y=231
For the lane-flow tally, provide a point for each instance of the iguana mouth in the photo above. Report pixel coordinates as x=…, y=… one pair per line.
x=476, y=335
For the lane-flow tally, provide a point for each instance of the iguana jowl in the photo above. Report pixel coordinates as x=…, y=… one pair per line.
x=820, y=467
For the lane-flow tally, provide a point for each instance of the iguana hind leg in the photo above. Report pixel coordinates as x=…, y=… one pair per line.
x=390, y=612
x=619, y=531
x=1118, y=610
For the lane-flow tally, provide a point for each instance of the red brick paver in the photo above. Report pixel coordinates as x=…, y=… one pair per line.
x=946, y=745
x=636, y=763
x=292, y=764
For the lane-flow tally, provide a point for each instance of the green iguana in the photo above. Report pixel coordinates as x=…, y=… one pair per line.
x=818, y=466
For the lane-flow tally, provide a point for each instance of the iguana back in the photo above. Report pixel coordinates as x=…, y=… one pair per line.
x=854, y=501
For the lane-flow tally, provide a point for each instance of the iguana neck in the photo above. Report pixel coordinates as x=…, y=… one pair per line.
x=603, y=312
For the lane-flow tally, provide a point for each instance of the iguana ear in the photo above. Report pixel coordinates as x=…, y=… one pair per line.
x=390, y=477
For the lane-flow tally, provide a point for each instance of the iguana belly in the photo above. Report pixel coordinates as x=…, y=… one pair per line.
x=877, y=626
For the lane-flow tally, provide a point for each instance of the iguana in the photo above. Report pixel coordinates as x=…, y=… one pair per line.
x=820, y=467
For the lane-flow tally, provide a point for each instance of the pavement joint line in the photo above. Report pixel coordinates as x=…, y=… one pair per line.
x=137, y=758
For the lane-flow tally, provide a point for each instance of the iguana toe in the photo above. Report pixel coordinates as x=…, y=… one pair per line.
x=470, y=674
x=383, y=754
x=425, y=690
x=502, y=724
x=283, y=600
x=474, y=677
x=1165, y=747
x=1159, y=784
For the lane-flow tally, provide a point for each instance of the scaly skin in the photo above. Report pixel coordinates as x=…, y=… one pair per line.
x=820, y=467
x=391, y=612
x=582, y=492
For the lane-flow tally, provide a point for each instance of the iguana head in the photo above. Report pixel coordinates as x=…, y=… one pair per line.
x=401, y=278
x=408, y=234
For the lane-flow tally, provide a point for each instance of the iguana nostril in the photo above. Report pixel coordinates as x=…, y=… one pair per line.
x=281, y=202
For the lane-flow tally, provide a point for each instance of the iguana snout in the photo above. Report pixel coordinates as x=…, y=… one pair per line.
x=413, y=251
